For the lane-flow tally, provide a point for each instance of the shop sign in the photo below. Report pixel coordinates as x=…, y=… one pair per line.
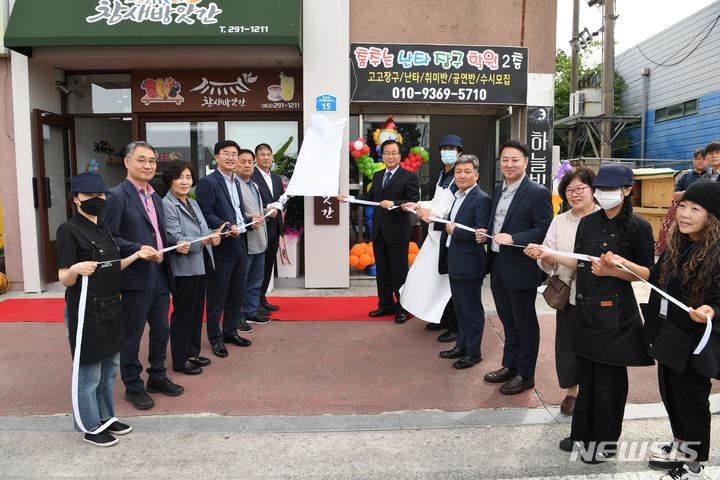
x=326, y=103
x=438, y=74
x=540, y=140
x=236, y=90
x=185, y=12
x=327, y=211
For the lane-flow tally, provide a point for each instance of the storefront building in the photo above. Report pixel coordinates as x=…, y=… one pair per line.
x=84, y=78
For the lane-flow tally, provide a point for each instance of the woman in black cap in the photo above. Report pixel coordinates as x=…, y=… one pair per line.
x=607, y=336
x=688, y=270
x=83, y=247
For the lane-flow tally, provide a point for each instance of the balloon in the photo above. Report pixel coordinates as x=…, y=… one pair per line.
x=355, y=153
x=411, y=258
x=372, y=260
x=365, y=149
x=369, y=250
x=361, y=263
x=413, y=247
x=356, y=250
x=365, y=259
x=358, y=145
x=354, y=260
x=425, y=155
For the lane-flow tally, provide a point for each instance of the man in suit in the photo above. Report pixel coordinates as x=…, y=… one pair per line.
x=220, y=200
x=712, y=155
x=522, y=212
x=271, y=188
x=257, y=240
x=464, y=261
x=391, y=229
x=134, y=214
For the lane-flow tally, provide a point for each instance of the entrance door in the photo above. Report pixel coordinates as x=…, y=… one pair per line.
x=55, y=165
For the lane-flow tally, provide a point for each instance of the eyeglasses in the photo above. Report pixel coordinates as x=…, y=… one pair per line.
x=229, y=154
x=573, y=191
x=152, y=161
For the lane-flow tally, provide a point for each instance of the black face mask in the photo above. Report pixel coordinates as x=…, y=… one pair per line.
x=93, y=206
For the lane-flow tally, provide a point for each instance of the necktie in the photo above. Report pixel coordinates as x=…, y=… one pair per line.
x=256, y=194
x=388, y=174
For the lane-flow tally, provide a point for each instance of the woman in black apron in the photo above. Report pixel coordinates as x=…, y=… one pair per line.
x=688, y=270
x=87, y=248
x=607, y=336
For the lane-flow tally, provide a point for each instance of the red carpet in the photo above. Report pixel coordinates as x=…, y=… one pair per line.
x=291, y=309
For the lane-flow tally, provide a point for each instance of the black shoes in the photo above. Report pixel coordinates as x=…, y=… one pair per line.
x=220, y=350
x=189, y=368
x=467, y=362
x=259, y=320
x=567, y=444
x=164, y=386
x=517, y=384
x=434, y=327
x=401, y=317
x=140, y=400
x=200, y=361
x=238, y=340
x=102, y=439
x=263, y=312
x=450, y=354
x=381, y=313
x=118, y=428
x=265, y=304
x=500, y=376
x=448, y=337
x=243, y=326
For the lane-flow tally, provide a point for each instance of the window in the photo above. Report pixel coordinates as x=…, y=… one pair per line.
x=677, y=110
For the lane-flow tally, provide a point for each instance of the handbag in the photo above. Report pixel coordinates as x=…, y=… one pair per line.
x=556, y=293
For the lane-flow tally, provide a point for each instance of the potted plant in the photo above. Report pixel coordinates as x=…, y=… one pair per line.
x=289, y=258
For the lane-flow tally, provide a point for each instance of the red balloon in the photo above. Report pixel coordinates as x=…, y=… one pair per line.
x=356, y=153
x=365, y=150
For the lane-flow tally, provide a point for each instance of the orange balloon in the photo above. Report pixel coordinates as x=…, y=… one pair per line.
x=372, y=260
x=354, y=260
x=365, y=258
x=364, y=247
x=413, y=248
x=361, y=265
x=369, y=250
x=411, y=258
x=356, y=249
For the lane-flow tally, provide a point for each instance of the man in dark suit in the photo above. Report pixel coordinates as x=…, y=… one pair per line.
x=464, y=261
x=271, y=187
x=712, y=156
x=134, y=214
x=391, y=229
x=220, y=200
x=522, y=212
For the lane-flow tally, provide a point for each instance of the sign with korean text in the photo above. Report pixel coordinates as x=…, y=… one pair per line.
x=540, y=141
x=326, y=103
x=235, y=90
x=438, y=74
x=327, y=211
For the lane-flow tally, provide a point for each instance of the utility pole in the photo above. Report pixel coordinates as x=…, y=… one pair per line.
x=608, y=78
x=574, y=68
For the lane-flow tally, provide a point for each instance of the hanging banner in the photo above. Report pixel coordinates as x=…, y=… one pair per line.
x=540, y=141
x=438, y=73
x=235, y=90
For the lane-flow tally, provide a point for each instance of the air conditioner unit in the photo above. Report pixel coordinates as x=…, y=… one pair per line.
x=577, y=103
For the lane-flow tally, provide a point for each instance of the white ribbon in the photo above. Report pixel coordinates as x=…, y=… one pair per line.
x=351, y=199
x=708, y=326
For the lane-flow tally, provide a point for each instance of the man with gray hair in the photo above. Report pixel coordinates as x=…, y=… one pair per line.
x=134, y=215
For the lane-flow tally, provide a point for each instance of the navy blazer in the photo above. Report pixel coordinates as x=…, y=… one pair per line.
x=214, y=199
x=126, y=217
x=274, y=225
x=402, y=188
x=465, y=258
x=527, y=220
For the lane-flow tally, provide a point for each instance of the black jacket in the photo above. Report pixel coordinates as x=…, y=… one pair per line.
x=401, y=188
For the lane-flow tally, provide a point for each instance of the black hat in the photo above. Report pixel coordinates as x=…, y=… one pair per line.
x=613, y=176
x=706, y=193
x=87, y=182
x=451, y=141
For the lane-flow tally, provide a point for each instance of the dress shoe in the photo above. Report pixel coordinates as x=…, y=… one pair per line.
x=434, y=327
x=164, y=386
x=265, y=304
x=450, y=354
x=516, y=385
x=189, y=368
x=380, y=312
x=243, y=326
x=567, y=407
x=258, y=320
x=401, y=317
x=140, y=400
x=220, y=350
x=238, y=340
x=262, y=312
x=467, y=362
x=500, y=376
x=200, y=361
x=567, y=444
x=448, y=337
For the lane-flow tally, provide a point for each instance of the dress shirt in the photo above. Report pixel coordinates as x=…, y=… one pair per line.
x=146, y=198
x=268, y=179
x=459, y=199
x=506, y=197
x=230, y=183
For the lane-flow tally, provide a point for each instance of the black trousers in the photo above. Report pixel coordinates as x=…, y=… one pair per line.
x=391, y=266
x=140, y=306
x=186, y=319
x=225, y=288
x=600, y=404
x=686, y=399
x=516, y=309
x=565, y=358
x=449, y=319
x=270, y=259
x=470, y=314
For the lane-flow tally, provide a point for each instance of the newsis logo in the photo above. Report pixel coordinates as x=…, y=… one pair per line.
x=631, y=451
x=166, y=12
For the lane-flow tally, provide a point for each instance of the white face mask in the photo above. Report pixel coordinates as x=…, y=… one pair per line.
x=608, y=200
x=448, y=157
